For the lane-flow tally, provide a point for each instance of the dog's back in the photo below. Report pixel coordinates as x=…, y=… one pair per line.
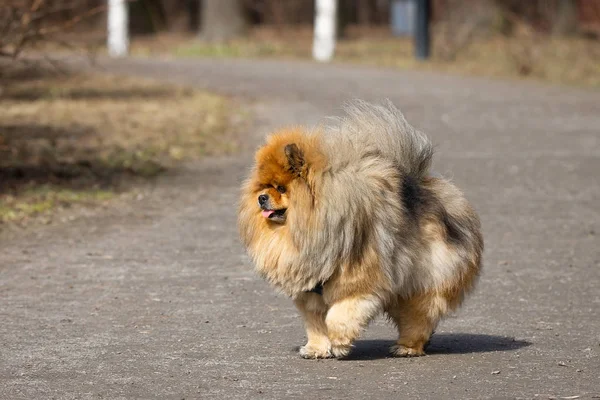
x=380, y=129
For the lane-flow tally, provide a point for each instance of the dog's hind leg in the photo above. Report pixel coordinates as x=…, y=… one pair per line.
x=416, y=319
x=313, y=311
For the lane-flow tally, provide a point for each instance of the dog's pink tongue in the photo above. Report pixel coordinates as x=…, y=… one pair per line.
x=267, y=213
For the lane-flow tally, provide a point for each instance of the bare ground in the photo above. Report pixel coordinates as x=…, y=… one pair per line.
x=156, y=299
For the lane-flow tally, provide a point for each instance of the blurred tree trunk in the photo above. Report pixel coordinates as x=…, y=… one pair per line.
x=565, y=22
x=344, y=17
x=364, y=12
x=222, y=20
x=277, y=10
x=147, y=16
x=194, y=12
x=118, y=33
x=325, y=29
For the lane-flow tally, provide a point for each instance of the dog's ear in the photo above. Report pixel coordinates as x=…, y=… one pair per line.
x=295, y=158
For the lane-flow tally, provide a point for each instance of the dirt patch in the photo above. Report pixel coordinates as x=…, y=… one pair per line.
x=81, y=138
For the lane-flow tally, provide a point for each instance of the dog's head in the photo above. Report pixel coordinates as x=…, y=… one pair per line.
x=282, y=168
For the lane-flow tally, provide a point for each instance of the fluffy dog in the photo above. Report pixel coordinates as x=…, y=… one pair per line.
x=348, y=221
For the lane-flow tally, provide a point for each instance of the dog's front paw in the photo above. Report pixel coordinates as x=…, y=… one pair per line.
x=399, y=350
x=310, y=351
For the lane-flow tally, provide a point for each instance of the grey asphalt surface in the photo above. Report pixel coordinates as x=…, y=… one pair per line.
x=155, y=298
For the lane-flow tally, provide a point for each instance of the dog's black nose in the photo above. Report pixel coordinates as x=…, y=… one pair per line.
x=262, y=199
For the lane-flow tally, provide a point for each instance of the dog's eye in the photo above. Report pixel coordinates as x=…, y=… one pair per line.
x=281, y=189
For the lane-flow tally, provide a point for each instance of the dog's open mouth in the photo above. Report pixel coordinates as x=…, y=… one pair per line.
x=274, y=215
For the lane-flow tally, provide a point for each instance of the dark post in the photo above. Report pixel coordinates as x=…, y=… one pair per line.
x=421, y=33
x=193, y=7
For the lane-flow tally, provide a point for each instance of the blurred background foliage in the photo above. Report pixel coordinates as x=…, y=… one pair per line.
x=552, y=40
x=80, y=137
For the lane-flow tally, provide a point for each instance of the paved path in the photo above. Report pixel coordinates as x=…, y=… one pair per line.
x=156, y=299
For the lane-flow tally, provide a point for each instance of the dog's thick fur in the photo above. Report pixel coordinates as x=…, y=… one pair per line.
x=354, y=208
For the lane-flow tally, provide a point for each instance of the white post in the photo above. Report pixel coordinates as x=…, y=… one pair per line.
x=325, y=30
x=118, y=36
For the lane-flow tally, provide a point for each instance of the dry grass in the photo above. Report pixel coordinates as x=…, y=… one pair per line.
x=571, y=61
x=67, y=139
x=39, y=201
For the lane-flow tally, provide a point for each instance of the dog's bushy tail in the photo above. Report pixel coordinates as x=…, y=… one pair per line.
x=383, y=128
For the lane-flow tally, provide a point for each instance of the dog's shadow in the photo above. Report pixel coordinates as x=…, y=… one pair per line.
x=441, y=343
